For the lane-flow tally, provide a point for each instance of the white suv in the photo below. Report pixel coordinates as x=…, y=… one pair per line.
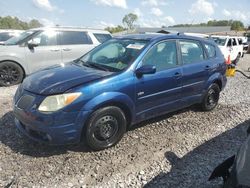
x=42, y=47
x=229, y=45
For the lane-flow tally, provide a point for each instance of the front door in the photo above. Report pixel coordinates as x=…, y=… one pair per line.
x=159, y=92
x=47, y=52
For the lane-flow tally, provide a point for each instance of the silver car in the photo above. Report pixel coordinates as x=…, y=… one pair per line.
x=42, y=47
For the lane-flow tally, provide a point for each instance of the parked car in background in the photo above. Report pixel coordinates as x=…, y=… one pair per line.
x=39, y=48
x=229, y=45
x=235, y=171
x=243, y=41
x=121, y=82
x=6, y=34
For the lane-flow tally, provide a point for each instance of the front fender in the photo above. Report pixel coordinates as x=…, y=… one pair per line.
x=17, y=60
x=108, y=98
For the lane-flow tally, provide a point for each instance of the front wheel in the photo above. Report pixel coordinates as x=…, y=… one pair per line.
x=211, y=98
x=10, y=73
x=105, y=128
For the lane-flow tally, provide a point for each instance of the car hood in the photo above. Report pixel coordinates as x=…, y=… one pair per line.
x=60, y=78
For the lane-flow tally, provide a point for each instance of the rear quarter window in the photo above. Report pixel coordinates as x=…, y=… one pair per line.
x=211, y=51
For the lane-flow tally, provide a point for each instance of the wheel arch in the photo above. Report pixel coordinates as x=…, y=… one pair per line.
x=19, y=64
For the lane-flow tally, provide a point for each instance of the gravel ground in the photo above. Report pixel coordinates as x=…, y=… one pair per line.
x=176, y=150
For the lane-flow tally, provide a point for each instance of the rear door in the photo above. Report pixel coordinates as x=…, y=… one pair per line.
x=47, y=52
x=74, y=44
x=196, y=70
x=161, y=91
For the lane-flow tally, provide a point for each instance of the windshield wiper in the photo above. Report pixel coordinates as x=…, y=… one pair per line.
x=98, y=66
x=92, y=65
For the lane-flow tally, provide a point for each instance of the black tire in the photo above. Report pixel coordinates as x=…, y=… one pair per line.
x=211, y=98
x=10, y=73
x=105, y=128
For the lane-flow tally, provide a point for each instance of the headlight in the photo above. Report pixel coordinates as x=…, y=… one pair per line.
x=56, y=102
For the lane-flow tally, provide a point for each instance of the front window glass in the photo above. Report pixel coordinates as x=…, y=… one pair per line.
x=219, y=41
x=163, y=56
x=114, y=55
x=45, y=38
x=20, y=38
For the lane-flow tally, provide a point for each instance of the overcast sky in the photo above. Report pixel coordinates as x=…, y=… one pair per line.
x=103, y=13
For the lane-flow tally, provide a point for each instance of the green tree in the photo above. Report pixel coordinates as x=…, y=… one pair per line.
x=128, y=20
x=237, y=26
x=115, y=29
x=9, y=22
x=34, y=24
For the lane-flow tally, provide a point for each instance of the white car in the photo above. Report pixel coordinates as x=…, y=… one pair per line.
x=42, y=47
x=6, y=34
x=229, y=45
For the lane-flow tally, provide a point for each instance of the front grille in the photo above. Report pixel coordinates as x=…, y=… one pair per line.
x=25, y=102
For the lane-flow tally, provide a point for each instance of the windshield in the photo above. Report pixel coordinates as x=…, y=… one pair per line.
x=114, y=55
x=16, y=40
x=219, y=41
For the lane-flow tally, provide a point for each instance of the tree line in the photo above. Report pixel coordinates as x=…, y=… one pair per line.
x=234, y=24
x=128, y=21
x=10, y=22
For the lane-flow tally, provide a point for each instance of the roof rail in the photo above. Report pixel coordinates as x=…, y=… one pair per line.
x=180, y=33
x=76, y=27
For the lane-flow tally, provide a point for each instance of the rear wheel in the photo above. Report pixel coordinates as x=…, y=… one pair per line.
x=105, y=128
x=10, y=73
x=211, y=98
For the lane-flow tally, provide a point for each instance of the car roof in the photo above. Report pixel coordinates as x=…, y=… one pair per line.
x=224, y=36
x=11, y=30
x=159, y=36
x=69, y=28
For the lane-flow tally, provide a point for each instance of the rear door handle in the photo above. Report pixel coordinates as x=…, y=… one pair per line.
x=177, y=75
x=67, y=49
x=55, y=50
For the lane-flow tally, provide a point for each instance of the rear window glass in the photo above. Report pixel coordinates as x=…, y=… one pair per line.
x=102, y=37
x=191, y=52
x=211, y=52
x=74, y=37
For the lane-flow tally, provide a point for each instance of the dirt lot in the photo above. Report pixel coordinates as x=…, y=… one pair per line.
x=176, y=150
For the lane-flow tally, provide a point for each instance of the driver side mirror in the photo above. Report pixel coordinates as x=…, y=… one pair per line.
x=32, y=44
x=145, y=69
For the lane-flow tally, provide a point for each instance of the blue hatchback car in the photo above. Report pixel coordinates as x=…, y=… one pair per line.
x=121, y=82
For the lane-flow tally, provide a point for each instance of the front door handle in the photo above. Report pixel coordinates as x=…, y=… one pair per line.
x=177, y=75
x=207, y=67
x=67, y=49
